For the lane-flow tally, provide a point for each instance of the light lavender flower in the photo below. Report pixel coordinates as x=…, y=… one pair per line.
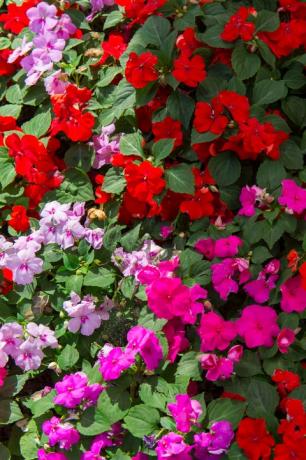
x=55, y=213
x=10, y=338
x=29, y=356
x=5, y=249
x=94, y=237
x=42, y=17
x=24, y=265
x=56, y=83
x=43, y=335
x=104, y=146
x=97, y=6
x=83, y=314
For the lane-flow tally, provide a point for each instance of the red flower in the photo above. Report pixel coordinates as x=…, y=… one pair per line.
x=6, y=68
x=286, y=381
x=209, y=117
x=254, y=439
x=114, y=47
x=287, y=38
x=102, y=197
x=291, y=450
x=237, y=105
x=16, y=19
x=121, y=161
x=255, y=138
x=293, y=259
x=201, y=203
x=7, y=124
x=6, y=284
x=139, y=10
x=140, y=70
x=70, y=117
x=238, y=27
x=189, y=70
x=302, y=272
x=187, y=42
x=19, y=220
x=144, y=180
x=168, y=129
x=235, y=396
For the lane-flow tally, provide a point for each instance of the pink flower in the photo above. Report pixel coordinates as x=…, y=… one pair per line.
x=61, y=433
x=235, y=353
x=3, y=374
x=83, y=314
x=206, y=246
x=71, y=390
x=174, y=331
x=113, y=361
x=217, y=367
x=215, y=332
x=258, y=326
x=248, y=200
x=293, y=295
x=284, y=339
x=172, y=447
x=166, y=231
x=293, y=196
x=29, y=356
x=224, y=272
x=24, y=265
x=227, y=247
x=43, y=455
x=185, y=412
x=43, y=335
x=145, y=342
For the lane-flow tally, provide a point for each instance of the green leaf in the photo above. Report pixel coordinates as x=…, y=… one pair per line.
x=79, y=156
x=7, y=171
x=106, y=75
x=4, y=43
x=212, y=37
x=152, y=398
x=13, y=384
x=272, y=232
x=114, y=181
x=180, y=107
x=68, y=357
x=4, y=452
x=249, y=364
x=226, y=409
x=112, y=237
x=14, y=94
x=130, y=240
x=295, y=108
x=266, y=53
x=154, y=31
x=112, y=19
x=41, y=406
x=245, y=64
x=268, y=91
x=295, y=78
x=162, y=148
x=131, y=144
x=76, y=187
x=235, y=453
x=141, y=420
x=262, y=400
x=225, y=168
x=189, y=365
x=180, y=179
x=99, y=278
x=29, y=441
x=9, y=412
x=38, y=125
x=267, y=21
x=270, y=174
x=291, y=155
x=10, y=110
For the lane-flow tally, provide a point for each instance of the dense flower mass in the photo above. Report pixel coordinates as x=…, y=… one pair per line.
x=153, y=217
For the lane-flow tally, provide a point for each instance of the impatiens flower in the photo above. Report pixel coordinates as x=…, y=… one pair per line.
x=302, y=272
x=97, y=6
x=168, y=129
x=286, y=381
x=215, y=332
x=228, y=275
x=172, y=447
x=61, y=433
x=289, y=36
x=29, y=356
x=19, y=220
x=258, y=326
x=174, y=331
x=56, y=83
x=293, y=296
x=141, y=70
x=25, y=265
x=285, y=338
x=293, y=197
x=215, y=443
x=16, y=19
x=104, y=146
x=74, y=390
x=238, y=26
x=236, y=104
x=11, y=338
x=227, y=247
x=42, y=17
x=210, y=117
x=43, y=455
x=83, y=314
x=185, y=412
x=189, y=70
x=43, y=335
x=113, y=361
x=217, y=367
x=252, y=197
x=3, y=374
x=254, y=439
x=145, y=342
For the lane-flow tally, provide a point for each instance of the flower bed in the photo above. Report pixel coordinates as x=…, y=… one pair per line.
x=153, y=208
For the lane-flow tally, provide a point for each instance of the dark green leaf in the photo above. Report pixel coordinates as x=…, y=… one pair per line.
x=225, y=168
x=245, y=64
x=180, y=179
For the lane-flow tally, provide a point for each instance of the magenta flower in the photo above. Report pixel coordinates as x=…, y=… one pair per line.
x=217, y=367
x=172, y=447
x=145, y=342
x=227, y=247
x=228, y=275
x=113, y=361
x=71, y=390
x=215, y=332
x=293, y=295
x=285, y=338
x=110, y=438
x=293, y=197
x=186, y=412
x=43, y=455
x=174, y=331
x=258, y=326
x=206, y=246
x=214, y=444
x=61, y=433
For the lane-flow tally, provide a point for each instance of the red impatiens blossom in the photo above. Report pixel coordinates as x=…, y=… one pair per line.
x=7, y=124
x=293, y=432
x=140, y=69
x=293, y=260
x=201, y=203
x=187, y=42
x=210, y=117
x=144, y=180
x=237, y=105
x=255, y=138
x=286, y=381
x=113, y=47
x=254, y=439
x=6, y=68
x=139, y=10
x=6, y=283
x=302, y=272
x=144, y=113
x=16, y=19
x=287, y=38
x=70, y=116
x=168, y=129
x=296, y=8
x=189, y=70
x=19, y=220
x=238, y=26
x=101, y=196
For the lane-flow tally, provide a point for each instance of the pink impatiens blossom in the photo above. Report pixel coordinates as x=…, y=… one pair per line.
x=61, y=433
x=215, y=443
x=223, y=247
x=24, y=265
x=206, y=246
x=228, y=275
x=3, y=374
x=112, y=437
x=43, y=335
x=185, y=411
x=83, y=314
x=43, y=455
x=293, y=197
x=145, y=342
x=174, y=331
x=217, y=367
x=172, y=447
x=260, y=288
x=252, y=197
x=215, y=332
x=113, y=361
x=258, y=326
x=285, y=338
x=29, y=356
x=74, y=390
x=293, y=295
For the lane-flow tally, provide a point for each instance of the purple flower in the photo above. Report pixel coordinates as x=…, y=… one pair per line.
x=11, y=335
x=94, y=237
x=104, y=147
x=56, y=83
x=61, y=433
x=29, y=355
x=97, y=6
x=172, y=447
x=64, y=27
x=50, y=44
x=42, y=17
x=213, y=445
x=24, y=265
x=185, y=412
x=113, y=361
x=43, y=335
